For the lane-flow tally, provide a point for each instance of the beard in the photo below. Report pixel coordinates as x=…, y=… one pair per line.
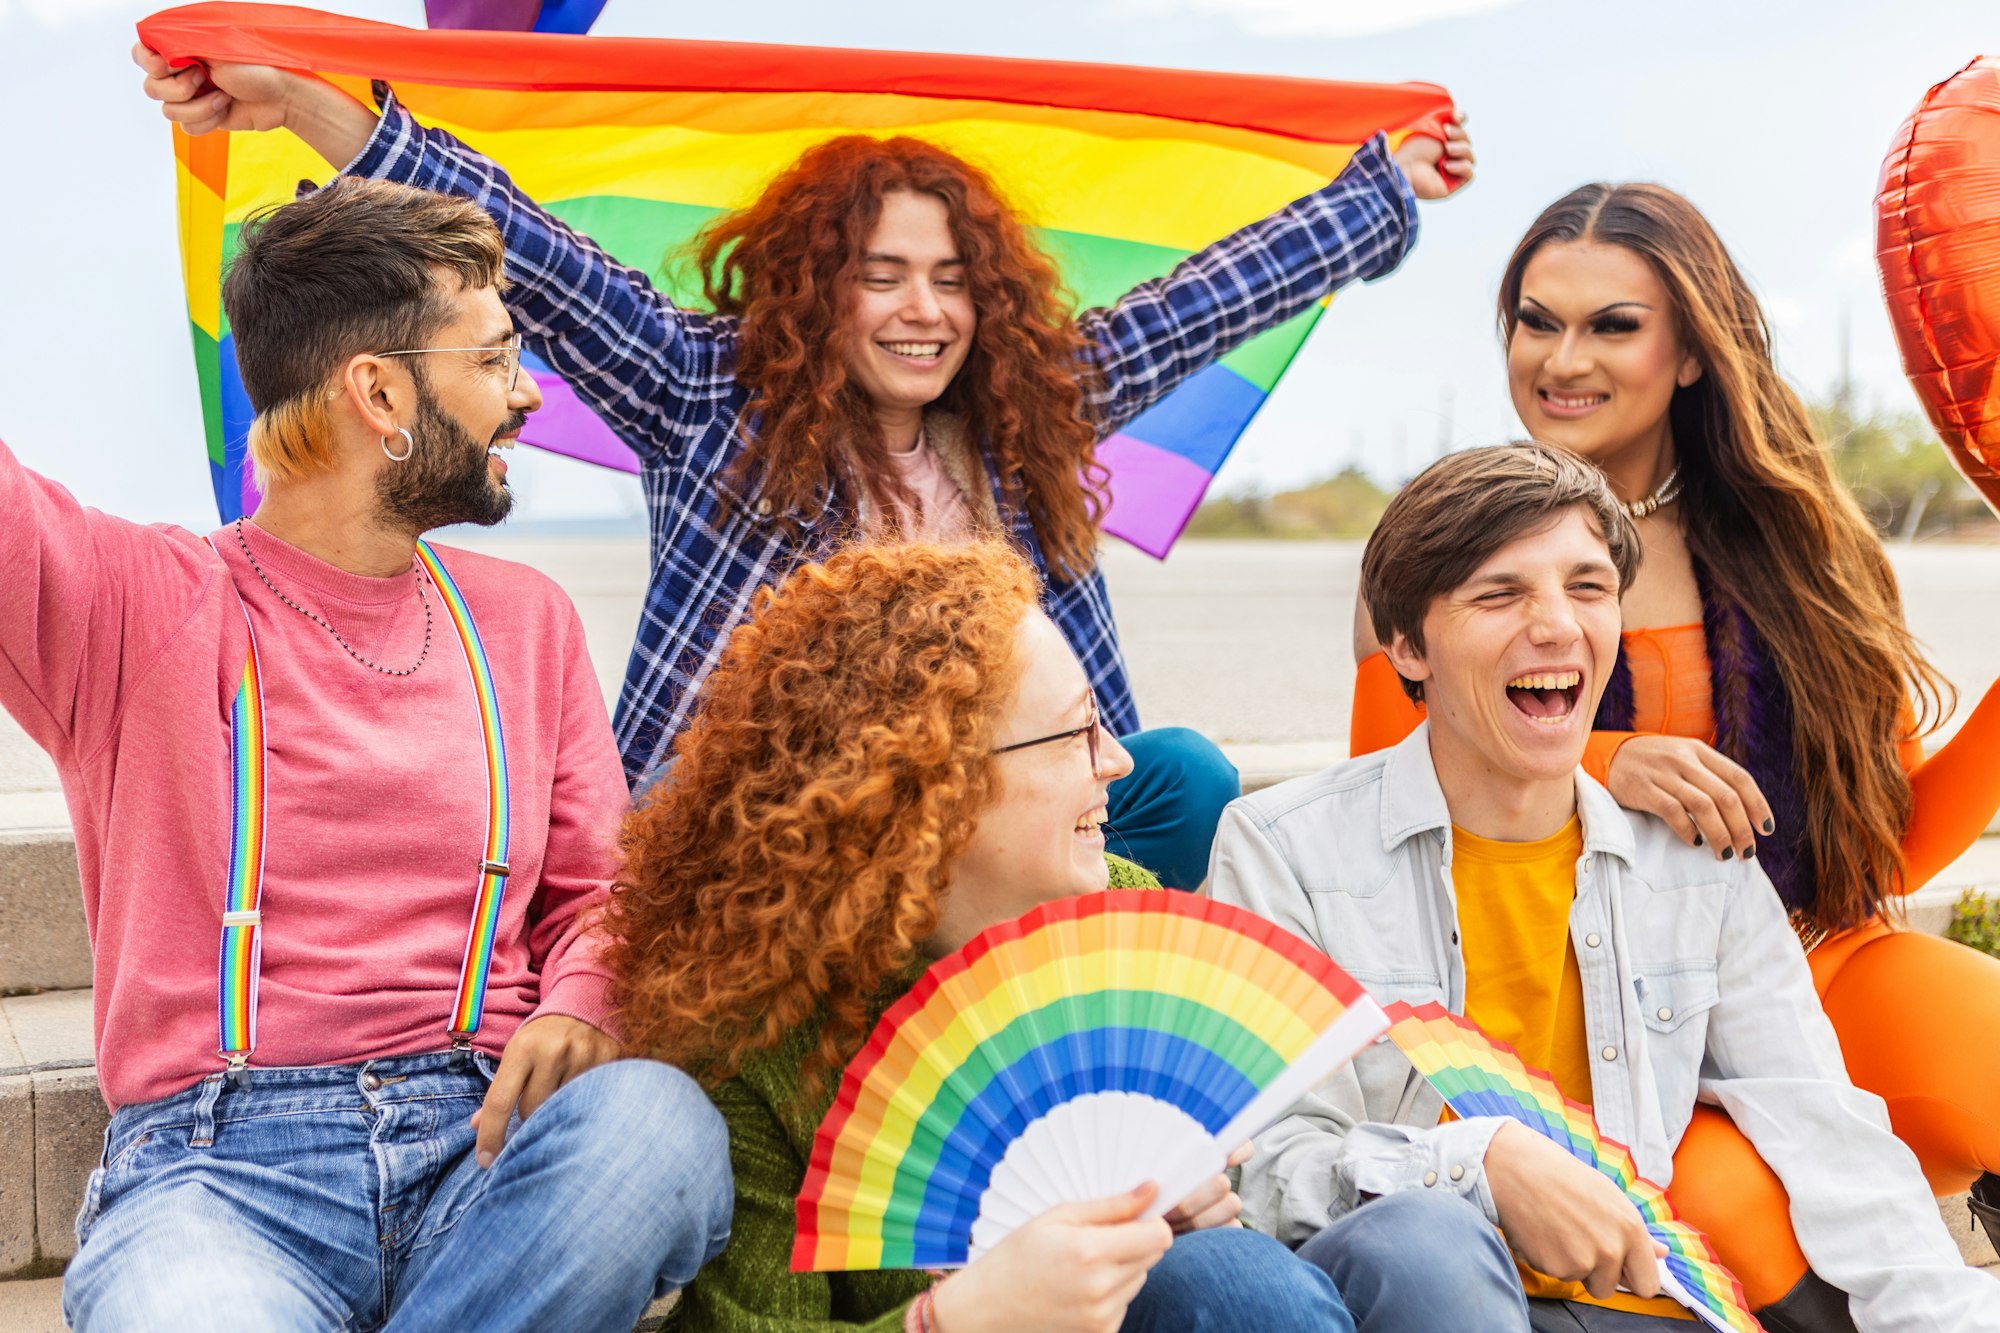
x=445, y=480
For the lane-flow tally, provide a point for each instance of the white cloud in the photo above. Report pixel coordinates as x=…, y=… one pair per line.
x=1318, y=18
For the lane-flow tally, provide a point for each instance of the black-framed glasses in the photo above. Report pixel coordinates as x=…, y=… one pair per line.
x=511, y=349
x=1091, y=731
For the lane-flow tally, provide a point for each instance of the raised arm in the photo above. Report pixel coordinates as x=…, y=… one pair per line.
x=1360, y=225
x=648, y=368
x=86, y=603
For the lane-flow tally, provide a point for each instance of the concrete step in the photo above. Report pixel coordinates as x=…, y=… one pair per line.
x=33, y=1306
x=51, y=1127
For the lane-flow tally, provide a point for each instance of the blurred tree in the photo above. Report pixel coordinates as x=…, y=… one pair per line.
x=1347, y=504
x=1900, y=473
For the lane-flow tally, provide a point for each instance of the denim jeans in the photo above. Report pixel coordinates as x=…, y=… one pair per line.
x=1421, y=1263
x=1226, y=1279
x=1163, y=815
x=348, y=1198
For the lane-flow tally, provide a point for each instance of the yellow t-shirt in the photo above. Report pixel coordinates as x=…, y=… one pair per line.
x=1522, y=984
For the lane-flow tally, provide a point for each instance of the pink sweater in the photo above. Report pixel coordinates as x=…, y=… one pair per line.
x=120, y=651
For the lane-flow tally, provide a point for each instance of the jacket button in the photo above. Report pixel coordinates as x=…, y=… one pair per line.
x=1593, y=939
x=763, y=509
x=1665, y=1013
x=1430, y=1179
x=1457, y=1172
x=1611, y=1052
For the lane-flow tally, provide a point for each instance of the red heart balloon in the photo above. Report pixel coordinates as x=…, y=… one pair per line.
x=1937, y=241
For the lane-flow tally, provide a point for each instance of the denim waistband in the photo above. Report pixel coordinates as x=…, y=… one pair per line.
x=296, y=1090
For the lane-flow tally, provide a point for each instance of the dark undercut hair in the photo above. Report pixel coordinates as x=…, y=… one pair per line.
x=1448, y=522
x=359, y=266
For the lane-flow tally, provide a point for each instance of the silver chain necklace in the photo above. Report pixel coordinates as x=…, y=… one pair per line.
x=1665, y=493
x=320, y=620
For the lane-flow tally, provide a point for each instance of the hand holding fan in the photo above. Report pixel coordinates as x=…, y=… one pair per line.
x=1092, y=1045
x=1479, y=1076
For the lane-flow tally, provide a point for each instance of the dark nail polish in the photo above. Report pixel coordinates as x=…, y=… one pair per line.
x=1770, y=826
x=1697, y=839
x=1728, y=853
x=1750, y=853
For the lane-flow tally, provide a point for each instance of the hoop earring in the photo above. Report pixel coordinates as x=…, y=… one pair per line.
x=409, y=446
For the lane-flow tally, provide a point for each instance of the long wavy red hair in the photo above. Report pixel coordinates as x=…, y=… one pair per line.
x=786, y=265
x=1777, y=534
x=792, y=859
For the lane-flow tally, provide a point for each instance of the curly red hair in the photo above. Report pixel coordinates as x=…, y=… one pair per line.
x=792, y=859
x=785, y=266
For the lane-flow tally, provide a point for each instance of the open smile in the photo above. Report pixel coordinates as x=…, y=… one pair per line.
x=1546, y=698
x=922, y=355
x=1569, y=403
x=1090, y=827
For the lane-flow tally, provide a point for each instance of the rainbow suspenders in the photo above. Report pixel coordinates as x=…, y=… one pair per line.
x=242, y=950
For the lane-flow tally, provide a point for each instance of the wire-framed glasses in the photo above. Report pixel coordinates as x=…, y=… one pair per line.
x=1090, y=730
x=511, y=349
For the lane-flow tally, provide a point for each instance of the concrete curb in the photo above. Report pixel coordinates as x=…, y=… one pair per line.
x=43, y=942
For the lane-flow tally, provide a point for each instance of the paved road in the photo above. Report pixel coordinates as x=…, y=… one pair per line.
x=1246, y=641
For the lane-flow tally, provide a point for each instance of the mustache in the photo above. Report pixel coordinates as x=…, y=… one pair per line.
x=511, y=425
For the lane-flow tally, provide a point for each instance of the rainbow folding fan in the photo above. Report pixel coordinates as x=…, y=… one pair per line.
x=1094, y=1044
x=637, y=142
x=1479, y=1076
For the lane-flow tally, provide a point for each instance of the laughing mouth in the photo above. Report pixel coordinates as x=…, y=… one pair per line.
x=1093, y=822
x=1546, y=697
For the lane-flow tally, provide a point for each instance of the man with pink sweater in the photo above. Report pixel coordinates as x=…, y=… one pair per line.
x=346, y=808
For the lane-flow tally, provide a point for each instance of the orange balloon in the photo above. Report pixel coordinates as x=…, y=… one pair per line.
x=1937, y=241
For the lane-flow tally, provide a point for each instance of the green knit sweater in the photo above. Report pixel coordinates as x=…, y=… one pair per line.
x=751, y=1288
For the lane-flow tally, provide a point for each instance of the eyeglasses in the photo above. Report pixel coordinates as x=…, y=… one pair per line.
x=511, y=349
x=1090, y=730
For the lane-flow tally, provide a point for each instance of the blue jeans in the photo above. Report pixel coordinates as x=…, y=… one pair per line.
x=1163, y=815
x=1226, y=1278
x=1421, y=1263
x=348, y=1198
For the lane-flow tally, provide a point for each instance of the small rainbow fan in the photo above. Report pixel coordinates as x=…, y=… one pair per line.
x=1091, y=1045
x=1479, y=1076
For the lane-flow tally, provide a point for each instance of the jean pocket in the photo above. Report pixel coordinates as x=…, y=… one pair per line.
x=93, y=1203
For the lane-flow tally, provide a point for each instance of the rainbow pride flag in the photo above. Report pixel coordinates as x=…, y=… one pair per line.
x=1480, y=1075
x=638, y=142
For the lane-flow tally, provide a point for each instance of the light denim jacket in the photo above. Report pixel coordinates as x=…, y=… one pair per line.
x=1694, y=987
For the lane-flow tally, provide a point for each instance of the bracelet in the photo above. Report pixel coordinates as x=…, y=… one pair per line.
x=922, y=1316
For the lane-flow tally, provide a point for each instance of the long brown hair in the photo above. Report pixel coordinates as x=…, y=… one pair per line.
x=1774, y=531
x=791, y=860
x=785, y=266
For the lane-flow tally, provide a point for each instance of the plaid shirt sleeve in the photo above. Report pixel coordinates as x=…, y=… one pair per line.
x=649, y=368
x=1358, y=226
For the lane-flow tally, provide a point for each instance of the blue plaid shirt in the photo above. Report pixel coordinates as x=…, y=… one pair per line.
x=663, y=379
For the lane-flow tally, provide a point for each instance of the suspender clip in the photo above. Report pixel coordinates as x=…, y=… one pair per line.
x=461, y=1041
x=494, y=868
x=237, y=1067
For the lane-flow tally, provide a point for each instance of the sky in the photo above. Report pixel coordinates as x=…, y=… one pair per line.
x=1772, y=117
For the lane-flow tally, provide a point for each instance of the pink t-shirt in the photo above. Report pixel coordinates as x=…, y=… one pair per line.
x=121, y=647
x=944, y=517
